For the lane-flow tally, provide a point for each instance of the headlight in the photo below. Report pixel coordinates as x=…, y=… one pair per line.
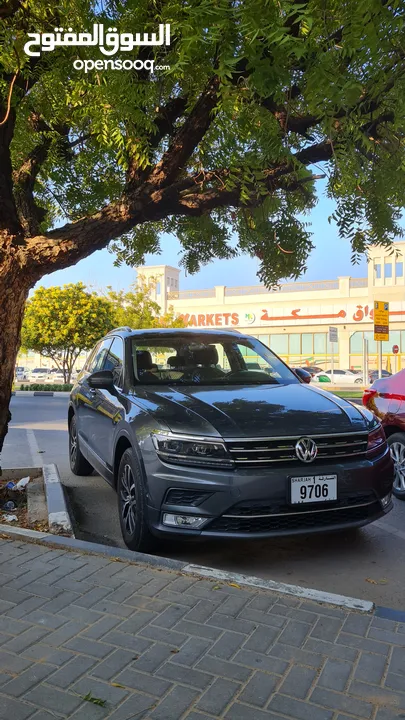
x=376, y=440
x=191, y=451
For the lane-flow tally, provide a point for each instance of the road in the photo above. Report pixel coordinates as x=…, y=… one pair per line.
x=367, y=564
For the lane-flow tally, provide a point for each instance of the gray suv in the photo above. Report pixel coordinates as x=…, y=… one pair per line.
x=209, y=434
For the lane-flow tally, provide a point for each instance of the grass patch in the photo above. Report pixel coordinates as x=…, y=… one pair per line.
x=348, y=393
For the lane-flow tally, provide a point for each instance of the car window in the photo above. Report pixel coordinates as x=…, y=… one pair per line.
x=207, y=359
x=115, y=361
x=97, y=361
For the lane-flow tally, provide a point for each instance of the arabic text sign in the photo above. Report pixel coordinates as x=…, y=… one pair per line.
x=381, y=320
x=333, y=334
x=109, y=43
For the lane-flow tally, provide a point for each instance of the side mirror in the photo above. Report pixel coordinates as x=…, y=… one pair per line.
x=302, y=375
x=101, y=380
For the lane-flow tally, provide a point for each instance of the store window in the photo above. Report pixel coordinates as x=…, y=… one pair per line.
x=279, y=344
x=356, y=343
x=388, y=270
x=399, y=269
x=319, y=343
x=265, y=339
x=307, y=343
x=295, y=344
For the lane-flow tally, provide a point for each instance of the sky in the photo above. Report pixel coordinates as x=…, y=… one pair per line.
x=329, y=259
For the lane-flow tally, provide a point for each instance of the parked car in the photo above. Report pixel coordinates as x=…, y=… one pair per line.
x=312, y=369
x=38, y=374
x=21, y=374
x=55, y=376
x=374, y=375
x=386, y=399
x=340, y=377
x=303, y=374
x=195, y=451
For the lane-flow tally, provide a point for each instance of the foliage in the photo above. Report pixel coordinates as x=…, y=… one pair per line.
x=61, y=322
x=293, y=91
x=136, y=309
x=55, y=387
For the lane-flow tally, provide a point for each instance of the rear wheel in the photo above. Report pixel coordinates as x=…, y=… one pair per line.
x=396, y=443
x=132, y=505
x=78, y=463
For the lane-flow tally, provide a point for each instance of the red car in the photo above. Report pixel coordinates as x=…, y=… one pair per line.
x=386, y=399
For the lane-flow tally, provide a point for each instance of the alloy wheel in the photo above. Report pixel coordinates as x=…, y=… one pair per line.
x=128, y=499
x=73, y=443
x=398, y=455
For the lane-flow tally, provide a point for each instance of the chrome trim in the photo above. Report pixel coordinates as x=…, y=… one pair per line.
x=297, y=437
x=294, y=457
x=303, y=512
x=280, y=448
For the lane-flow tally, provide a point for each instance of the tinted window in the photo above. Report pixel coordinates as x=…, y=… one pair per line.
x=210, y=360
x=96, y=361
x=115, y=361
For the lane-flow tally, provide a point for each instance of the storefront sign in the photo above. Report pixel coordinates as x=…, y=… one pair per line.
x=301, y=316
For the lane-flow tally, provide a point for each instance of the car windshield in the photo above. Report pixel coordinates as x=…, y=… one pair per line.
x=207, y=360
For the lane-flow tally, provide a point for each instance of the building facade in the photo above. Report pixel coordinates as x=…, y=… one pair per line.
x=294, y=319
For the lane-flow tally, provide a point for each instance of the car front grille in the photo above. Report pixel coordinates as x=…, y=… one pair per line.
x=294, y=521
x=251, y=508
x=258, y=452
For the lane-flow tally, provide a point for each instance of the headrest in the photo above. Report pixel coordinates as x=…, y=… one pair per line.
x=207, y=355
x=176, y=361
x=144, y=360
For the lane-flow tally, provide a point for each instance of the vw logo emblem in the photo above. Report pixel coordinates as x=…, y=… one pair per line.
x=306, y=450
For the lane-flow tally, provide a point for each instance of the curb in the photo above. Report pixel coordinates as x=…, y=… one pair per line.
x=250, y=581
x=58, y=515
x=41, y=393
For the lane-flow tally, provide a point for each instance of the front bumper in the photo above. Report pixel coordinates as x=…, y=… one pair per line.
x=254, y=503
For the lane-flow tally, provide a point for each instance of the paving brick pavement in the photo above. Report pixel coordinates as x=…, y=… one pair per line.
x=88, y=637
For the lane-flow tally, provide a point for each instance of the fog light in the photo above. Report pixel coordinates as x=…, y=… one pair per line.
x=386, y=500
x=185, y=521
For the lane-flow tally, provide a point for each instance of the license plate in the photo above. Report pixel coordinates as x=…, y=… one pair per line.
x=313, y=488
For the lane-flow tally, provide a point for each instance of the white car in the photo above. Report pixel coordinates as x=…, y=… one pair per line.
x=55, y=376
x=39, y=374
x=340, y=377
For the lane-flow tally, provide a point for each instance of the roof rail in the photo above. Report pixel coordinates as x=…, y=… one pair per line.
x=117, y=329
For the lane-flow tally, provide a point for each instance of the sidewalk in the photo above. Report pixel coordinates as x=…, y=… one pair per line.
x=87, y=637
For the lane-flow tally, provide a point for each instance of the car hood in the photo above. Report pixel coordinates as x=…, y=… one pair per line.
x=251, y=411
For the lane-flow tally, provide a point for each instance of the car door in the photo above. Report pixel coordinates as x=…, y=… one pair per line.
x=87, y=398
x=108, y=408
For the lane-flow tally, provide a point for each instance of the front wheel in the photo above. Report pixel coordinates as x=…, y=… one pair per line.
x=396, y=444
x=78, y=463
x=132, y=505
x=359, y=381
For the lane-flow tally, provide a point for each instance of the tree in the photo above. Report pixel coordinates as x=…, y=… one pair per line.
x=222, y=149
x=61, y=322
x=136, y=308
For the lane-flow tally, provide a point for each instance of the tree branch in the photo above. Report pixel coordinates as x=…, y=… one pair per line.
x=187, y=138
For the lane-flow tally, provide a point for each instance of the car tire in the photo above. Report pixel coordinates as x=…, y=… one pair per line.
x=359, y=381
x=132, y=505
x=78, y=463
x=396, y=444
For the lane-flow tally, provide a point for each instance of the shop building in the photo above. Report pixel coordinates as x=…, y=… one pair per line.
x=294, y=318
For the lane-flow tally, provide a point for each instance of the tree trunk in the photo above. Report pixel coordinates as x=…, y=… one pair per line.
x=14, y=288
